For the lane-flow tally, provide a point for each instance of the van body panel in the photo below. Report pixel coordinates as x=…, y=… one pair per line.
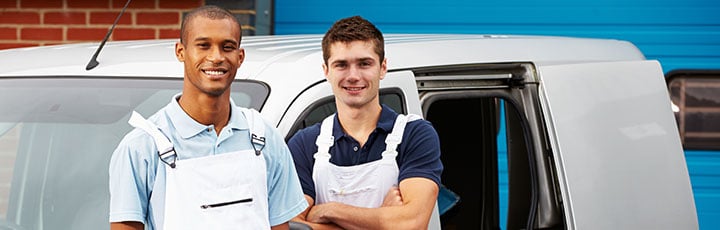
x=287, y=80
x=501, y=49
x=300, y=103
x=404, y=80
x=536, y=132
x=266, y=53
x=615, y=143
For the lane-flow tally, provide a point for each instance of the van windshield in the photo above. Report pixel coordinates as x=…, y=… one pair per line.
x=56, y=138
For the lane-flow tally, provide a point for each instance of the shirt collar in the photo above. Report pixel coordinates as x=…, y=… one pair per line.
x=188, y=127
x=385, y=123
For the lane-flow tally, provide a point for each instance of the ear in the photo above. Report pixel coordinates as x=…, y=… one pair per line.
x=325, y=69
x=241, y=56
x=383, y=68
x=180, y=51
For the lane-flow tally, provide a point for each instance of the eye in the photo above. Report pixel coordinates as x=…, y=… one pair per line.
x=340, y=65
x=365, y=63
x=203, y=45
x=229, y=47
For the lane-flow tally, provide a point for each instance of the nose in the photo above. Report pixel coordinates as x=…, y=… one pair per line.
x=215, y=55
x=354, y=72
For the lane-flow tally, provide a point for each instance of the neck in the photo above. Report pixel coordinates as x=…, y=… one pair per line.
x=207, y=110
x=359, y=122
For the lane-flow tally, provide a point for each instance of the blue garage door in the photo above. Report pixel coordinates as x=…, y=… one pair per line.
x=680, y=34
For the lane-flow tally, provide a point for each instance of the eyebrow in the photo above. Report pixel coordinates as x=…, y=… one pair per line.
x=234, y=42
x=356, y=59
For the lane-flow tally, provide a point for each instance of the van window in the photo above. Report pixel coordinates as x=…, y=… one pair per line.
x=323, y=108
x=60, y=136
x=695, y=96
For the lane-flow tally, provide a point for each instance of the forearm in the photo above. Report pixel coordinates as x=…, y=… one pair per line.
x=302, y=218
x=319, y=226
x=407, y=207
x=351, y=217
x=128, y=225
x=315, y=226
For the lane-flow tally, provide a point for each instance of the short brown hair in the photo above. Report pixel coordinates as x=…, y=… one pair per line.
x=208, y=11
x=352, y=29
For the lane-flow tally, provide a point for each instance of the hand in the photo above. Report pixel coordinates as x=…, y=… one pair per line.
x=393, y=197
x=318, y=213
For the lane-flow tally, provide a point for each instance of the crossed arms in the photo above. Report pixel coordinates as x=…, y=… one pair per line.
x=408, y=206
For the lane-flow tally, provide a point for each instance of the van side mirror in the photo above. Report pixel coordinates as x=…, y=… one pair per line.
x=695, y=96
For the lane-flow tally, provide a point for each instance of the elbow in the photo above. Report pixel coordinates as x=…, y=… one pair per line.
x=410, y=223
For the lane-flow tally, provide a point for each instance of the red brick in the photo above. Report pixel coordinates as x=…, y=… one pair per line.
x=41, y=3
x=8, y=33
x=41, y=34
x=14, y=17
x=65, y=18
x=7, y=4
x=179, y=4
x=53, y=43
x=169, y=33
x=86, y=34
x=135, y=4
x=16, y=45
x=94, y=4
x=109, y=18
x=133, y=34
x=147, y=18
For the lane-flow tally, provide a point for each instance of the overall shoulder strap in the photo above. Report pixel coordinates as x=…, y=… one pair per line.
x=325, y=140
x=166, y=151
x=395, y=137
x=256, y=127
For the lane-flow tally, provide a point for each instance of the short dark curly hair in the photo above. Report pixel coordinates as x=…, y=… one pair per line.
x=352, y=29
x=207, y=11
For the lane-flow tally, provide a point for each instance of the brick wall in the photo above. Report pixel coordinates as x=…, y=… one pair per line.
x=26, y=23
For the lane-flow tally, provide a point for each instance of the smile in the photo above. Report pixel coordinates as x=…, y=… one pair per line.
x=354, y=88
x=214, y=72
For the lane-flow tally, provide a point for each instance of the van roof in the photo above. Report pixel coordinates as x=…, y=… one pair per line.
x=299, y=53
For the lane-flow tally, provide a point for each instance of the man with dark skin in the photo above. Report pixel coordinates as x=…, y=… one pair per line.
x=215, y=177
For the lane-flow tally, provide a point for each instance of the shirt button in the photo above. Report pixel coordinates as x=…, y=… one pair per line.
x=355, y=148
x=209, y=129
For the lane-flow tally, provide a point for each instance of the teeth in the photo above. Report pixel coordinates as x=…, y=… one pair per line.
x=354, y=88
x=211, y=72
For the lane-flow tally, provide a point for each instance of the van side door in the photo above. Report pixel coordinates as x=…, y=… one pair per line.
x=615, y=142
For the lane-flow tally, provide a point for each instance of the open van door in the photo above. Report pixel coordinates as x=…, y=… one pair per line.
x=618, y=158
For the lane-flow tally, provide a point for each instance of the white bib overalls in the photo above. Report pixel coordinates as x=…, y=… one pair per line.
x=223, y=191
x=363, y=185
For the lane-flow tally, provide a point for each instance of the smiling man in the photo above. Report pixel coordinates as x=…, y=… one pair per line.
x=201, y=162
x=365, y=167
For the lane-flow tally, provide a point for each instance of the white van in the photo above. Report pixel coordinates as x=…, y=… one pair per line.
x=536, y=132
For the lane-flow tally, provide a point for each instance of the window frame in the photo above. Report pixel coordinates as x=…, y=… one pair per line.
x=694, y=120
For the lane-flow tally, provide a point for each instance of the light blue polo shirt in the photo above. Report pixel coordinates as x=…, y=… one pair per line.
x=134, y=164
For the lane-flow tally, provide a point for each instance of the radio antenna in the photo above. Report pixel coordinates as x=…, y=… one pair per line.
x=93, y=61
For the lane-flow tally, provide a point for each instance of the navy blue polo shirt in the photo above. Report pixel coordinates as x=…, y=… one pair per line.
x=418, y=153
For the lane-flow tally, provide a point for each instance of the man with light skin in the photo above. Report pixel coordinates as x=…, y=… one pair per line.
x=213, y=176
x=355, y=172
